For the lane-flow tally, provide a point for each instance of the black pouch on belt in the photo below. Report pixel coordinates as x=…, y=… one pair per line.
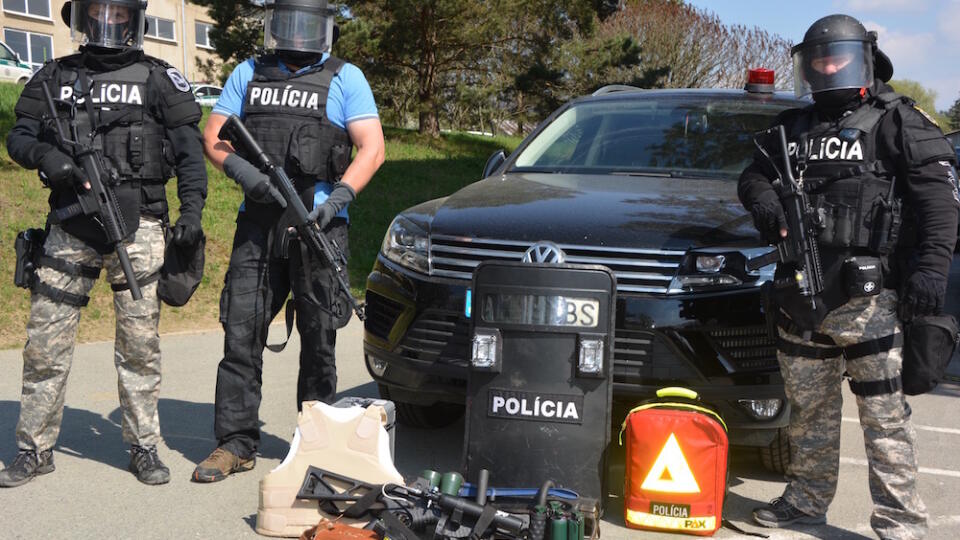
x=862, y=276
x=928, y=346
x=28, y=246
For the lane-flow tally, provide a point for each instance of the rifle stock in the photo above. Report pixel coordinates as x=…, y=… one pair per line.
x=800, y=246
x=100, y=200
x=317, y=242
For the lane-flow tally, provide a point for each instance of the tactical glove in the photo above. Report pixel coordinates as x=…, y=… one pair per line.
x=187, y=231
x=341, y=196
x=768, y=217
x=922, y=294
x=256, y=185
x=58, y=171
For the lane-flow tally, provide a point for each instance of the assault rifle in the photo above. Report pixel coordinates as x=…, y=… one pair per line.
x=803, y=224
x=100, y=201
x=317, y=242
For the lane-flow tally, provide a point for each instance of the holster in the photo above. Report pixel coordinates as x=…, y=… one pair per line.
x=28, y=246
x=339, y=161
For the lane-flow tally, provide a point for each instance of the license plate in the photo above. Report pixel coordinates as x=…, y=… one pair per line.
x=540, y=310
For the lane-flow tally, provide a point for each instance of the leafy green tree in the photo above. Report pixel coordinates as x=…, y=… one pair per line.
x=953, y=115
x=236, y=34
x=925, y=98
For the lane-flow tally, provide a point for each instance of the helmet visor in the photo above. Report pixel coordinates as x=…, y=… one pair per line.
x=832, y=66
x=103, y=23
x=295, y=29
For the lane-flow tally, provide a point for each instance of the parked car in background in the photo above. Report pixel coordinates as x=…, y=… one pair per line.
x=207, y=94
x=641, y=181
x=12, y=68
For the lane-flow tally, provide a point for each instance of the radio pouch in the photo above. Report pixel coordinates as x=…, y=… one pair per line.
x=676, y=464
x=928, y=346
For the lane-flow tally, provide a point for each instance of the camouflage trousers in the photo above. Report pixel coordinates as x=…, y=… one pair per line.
x=813, y=390
x=52, y=333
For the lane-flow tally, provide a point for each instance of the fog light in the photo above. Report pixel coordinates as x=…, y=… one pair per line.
x=591, y=356
x=709, y=263
x=377, y=366
x=484, y=350
x=762, y=409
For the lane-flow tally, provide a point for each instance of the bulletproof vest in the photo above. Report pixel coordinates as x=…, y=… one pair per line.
x=132, y=142
x=851, y=189
x=112, y=115
x=287, y=115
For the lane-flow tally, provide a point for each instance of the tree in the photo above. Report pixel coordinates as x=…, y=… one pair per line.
x=953, y=115
x=925, y=98
x=237, y=32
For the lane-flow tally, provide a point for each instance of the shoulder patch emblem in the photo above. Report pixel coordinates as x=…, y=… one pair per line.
x=927, y=116
x=180, y=82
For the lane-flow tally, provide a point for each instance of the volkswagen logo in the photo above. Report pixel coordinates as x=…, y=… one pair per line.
x=544, y=252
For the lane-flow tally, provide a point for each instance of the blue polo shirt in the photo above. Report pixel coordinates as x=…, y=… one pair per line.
x=349, y=99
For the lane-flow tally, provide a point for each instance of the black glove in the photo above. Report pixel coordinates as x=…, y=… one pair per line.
x=341, y=196
x=187, y=231
x=58, y=171
x=923, y=294
x=256, y=185
x=768, y=216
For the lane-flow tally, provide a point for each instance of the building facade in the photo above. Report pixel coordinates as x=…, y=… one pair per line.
x=178, y=33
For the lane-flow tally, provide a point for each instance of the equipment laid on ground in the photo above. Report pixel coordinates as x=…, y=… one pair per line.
x=389, y=418
x=676, y=464
x=352, y=440
x=539, y=392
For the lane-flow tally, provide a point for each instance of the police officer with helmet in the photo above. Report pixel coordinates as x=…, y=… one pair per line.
x=881, y=179
x=307, y=110
x=139, y=115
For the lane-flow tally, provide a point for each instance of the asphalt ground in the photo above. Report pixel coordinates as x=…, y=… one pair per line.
x=91, y=494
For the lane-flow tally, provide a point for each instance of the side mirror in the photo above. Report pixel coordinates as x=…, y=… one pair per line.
x=494, y=162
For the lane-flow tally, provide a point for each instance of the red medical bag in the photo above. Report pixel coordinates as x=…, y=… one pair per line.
x=676, y=464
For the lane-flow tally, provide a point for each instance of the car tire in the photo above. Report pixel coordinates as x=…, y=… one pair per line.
x=438, y=415
x=776, y=456
x=22, y=81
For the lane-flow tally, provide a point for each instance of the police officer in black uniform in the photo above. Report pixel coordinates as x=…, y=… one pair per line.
x=307, y=110
x=882, y=180
x=138, y=113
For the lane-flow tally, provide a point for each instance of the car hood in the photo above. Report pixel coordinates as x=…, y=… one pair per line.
x=602, y=210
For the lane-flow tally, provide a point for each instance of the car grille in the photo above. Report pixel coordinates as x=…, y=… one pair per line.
x=747, y=348
x=640, y=357
x=438, y=336
x=382, y=313
x=637, y=270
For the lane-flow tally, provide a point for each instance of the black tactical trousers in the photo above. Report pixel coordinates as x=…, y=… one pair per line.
x=255, y=288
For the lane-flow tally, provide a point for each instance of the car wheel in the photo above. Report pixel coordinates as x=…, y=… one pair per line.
x=776, y=456
x=22, y=81
x=438, y=415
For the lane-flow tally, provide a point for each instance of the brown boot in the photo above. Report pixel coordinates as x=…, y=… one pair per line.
x=221, y=464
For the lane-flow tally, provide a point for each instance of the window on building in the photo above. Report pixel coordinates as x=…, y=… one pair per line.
x=34, y=49
x=203, y=35
x=34, y=8
x=161, y=28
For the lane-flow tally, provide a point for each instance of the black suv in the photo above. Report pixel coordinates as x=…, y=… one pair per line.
x=641, y=181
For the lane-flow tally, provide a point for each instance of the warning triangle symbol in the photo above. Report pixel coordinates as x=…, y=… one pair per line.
x=670, y=472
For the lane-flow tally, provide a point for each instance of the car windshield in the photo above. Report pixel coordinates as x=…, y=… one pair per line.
x=678, y=136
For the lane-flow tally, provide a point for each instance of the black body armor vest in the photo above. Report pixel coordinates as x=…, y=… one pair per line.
x=287, y=115
x=112, y=115
x=853, y=192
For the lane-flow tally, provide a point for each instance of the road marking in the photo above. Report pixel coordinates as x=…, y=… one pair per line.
x=919, y=427
x=925, y=470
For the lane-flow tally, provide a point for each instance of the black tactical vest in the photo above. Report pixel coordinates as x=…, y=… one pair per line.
x=112, y=114
x=287, y=115
x=853, y=192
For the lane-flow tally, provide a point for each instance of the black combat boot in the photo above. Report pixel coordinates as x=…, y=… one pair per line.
x=780, y=513
x=146, y=465
x=27, y=465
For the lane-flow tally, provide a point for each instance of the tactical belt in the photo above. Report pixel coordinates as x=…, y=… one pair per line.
x=119, y=287
x=61, y=296
x=850, y=352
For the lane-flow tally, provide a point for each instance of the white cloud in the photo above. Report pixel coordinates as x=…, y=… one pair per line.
x=911, y=6
x=949, y=22
x=906, y=50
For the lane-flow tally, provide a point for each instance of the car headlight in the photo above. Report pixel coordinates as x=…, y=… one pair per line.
x=715, y=268
x=408, y=245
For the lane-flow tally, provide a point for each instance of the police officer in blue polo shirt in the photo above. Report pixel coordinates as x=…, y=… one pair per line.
x=307, y=110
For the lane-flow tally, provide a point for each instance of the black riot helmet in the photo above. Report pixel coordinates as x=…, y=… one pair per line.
x=838, y=53
x=304, y=26
x=115, y=24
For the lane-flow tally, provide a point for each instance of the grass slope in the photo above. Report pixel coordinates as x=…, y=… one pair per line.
x=417, y=169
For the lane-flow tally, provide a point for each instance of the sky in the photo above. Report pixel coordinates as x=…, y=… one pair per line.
x=921, y=37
